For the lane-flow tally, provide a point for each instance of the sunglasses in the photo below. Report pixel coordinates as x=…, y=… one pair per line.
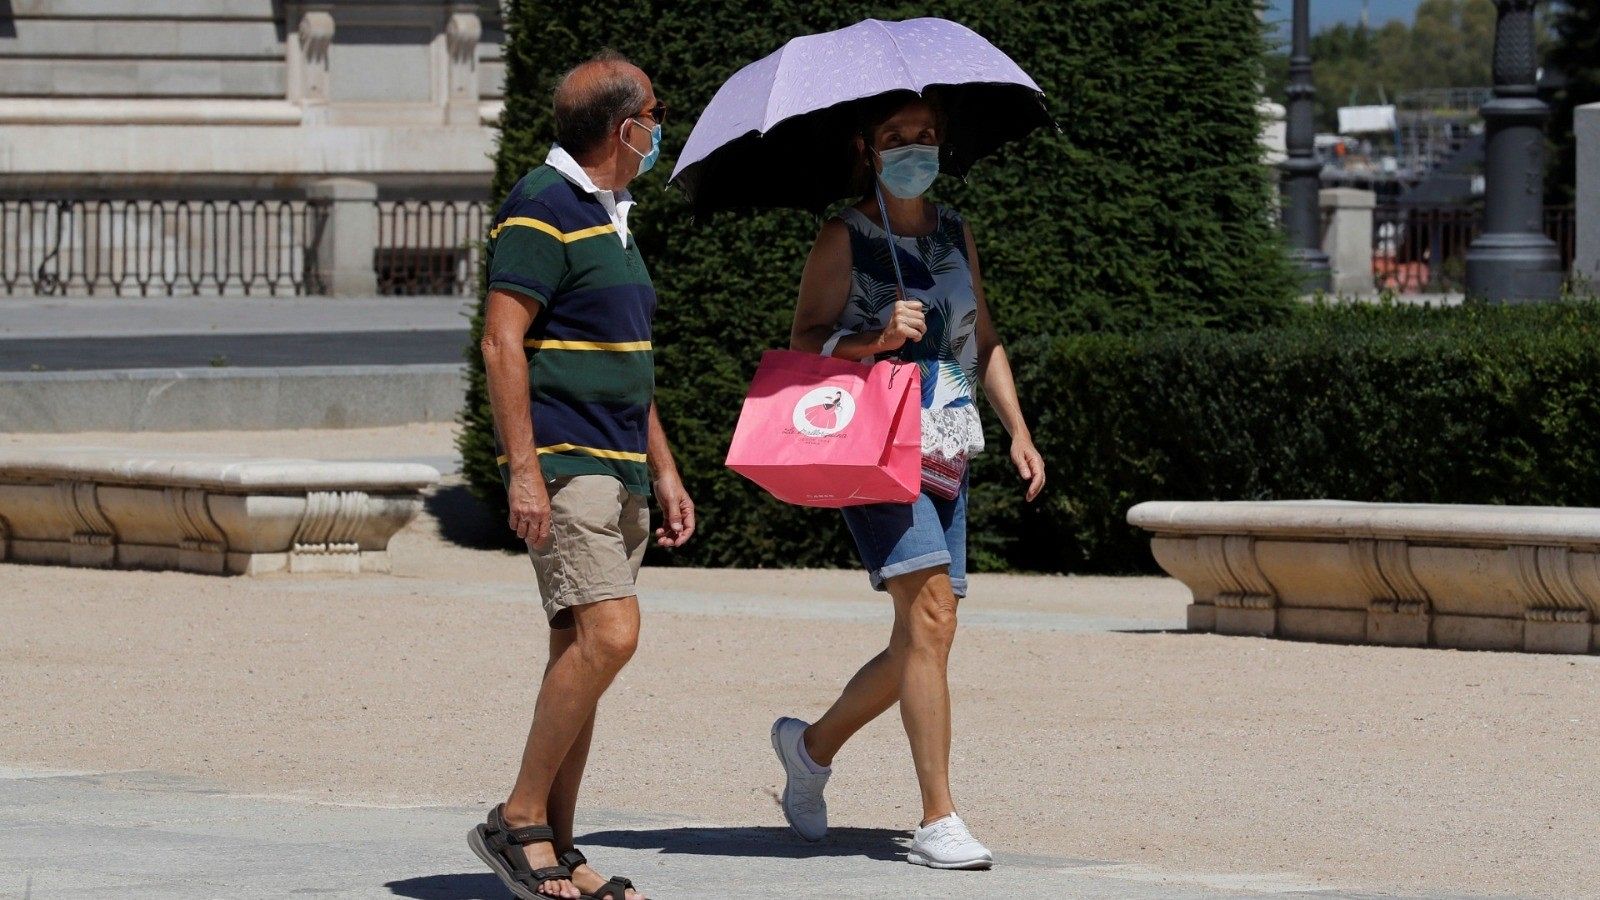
x=658, y=113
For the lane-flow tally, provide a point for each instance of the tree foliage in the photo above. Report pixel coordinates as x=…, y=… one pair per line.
x=1575, y=54
x=1450, y=43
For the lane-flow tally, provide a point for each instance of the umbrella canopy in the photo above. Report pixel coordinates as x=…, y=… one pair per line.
x=778, y=133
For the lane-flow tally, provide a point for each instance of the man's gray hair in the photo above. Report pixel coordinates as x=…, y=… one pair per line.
x=589, y=108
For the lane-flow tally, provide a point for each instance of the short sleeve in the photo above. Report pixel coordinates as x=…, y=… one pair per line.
x=526, y=253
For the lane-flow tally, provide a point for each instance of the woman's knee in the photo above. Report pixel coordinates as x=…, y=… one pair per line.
x=930, y=616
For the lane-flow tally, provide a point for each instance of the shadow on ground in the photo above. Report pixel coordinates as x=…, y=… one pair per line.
x=466, y=521
x=767, y=841
x=462, y=886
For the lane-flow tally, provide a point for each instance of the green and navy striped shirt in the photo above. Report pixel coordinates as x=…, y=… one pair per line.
x=591, y=367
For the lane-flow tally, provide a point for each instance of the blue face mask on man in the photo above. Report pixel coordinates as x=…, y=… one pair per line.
x=646, y=160
x=910, y=170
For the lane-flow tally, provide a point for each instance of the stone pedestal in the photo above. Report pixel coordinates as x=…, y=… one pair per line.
x=349, y=238
x=1348, y=238
x=1586, y=264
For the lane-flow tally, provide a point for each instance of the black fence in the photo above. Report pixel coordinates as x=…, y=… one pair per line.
x=160, y=247
x=430, y=246
x=1424, y=249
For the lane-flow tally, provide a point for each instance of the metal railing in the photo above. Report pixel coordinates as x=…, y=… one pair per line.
x=1424, y=249
x=430, y=246
x=160, y=247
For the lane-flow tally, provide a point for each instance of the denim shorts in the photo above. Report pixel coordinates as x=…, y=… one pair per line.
x=896, y=538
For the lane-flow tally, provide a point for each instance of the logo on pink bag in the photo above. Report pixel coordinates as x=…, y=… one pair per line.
x=823, y=412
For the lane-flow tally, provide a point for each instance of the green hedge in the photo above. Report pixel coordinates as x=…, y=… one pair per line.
x=1149, y=209
x=1473, y=405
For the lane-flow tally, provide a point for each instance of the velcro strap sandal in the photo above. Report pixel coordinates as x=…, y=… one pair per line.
x=492, y=842
x=615, y=889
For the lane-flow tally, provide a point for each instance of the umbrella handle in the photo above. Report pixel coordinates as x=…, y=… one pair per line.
x=894, y=252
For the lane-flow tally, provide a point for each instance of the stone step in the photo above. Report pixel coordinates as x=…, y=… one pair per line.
x=244, y=399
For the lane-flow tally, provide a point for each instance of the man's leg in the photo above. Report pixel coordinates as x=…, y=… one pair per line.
x=603, y=640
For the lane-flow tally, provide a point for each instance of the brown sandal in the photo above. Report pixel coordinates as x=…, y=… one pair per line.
x=492, y=841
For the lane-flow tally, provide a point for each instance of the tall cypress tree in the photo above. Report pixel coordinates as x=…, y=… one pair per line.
x=1576, y=55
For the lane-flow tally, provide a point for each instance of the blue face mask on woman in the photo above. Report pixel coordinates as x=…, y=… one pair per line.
x=646, y=160
x=910, y=170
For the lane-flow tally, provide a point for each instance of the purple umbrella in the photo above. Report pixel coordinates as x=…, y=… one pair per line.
x=778, y=133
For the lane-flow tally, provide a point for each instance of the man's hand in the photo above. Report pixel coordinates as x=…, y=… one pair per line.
x=530, y=508
x=1030, y=465
x=677, y=511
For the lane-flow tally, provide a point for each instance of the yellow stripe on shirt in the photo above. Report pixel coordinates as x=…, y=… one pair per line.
x=593, y=451
x=622, y=347
x=574, y=448
x=565, y=237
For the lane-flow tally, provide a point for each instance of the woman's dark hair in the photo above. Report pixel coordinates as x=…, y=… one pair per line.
x=587, y=111
x=870, y=115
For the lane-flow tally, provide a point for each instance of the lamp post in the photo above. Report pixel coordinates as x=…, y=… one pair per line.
x=1512, y=260
x=1302, y=173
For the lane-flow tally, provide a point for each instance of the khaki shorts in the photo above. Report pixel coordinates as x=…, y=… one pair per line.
x=598, y=534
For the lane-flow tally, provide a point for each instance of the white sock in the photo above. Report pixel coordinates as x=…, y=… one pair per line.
x=800, y=744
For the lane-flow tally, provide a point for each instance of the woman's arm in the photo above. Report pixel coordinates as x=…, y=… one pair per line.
x=994, y=368
x=824, y=290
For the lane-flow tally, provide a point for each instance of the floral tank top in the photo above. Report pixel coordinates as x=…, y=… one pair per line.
x=937, y=274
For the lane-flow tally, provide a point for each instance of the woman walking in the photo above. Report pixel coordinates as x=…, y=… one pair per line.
x=852, y=306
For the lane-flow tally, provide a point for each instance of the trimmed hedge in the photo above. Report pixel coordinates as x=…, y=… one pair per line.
x=1472, y=405
x=1151, y=208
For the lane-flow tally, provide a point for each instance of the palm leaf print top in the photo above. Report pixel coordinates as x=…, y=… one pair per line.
x=937, y=274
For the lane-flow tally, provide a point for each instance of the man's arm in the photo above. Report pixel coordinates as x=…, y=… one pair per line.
x=507, y=317
x=676, y=508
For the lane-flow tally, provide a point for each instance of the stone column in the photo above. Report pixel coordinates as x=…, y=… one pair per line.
x=1302, y=173
x=308, y=57
x=1348, y=239
x=462, y=32
x=1512, y=260
x=348, y=242
x=1586, y=264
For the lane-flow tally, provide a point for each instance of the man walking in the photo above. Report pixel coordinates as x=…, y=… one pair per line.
x=567, y=351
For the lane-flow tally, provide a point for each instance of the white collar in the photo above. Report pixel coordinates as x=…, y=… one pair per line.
x=562, y=161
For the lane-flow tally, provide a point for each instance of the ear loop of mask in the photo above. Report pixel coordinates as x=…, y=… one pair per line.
x=625, y=123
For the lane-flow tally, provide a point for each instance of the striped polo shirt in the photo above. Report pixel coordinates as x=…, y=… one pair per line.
x=591, y=369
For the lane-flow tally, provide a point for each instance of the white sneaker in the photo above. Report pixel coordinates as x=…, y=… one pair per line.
x=803, y=805
x=947, y=844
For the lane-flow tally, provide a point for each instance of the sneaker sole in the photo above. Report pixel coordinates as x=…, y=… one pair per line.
x=783, y=801
x=917, y=859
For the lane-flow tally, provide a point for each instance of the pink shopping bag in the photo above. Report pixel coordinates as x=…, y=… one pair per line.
x=819, y=431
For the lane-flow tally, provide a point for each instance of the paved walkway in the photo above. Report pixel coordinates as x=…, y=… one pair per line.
x=143, y=835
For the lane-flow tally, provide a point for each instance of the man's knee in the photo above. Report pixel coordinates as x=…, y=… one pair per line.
x=608, y=632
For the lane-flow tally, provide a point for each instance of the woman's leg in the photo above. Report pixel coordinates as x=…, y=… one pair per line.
x=925, y=606
x=874, y=688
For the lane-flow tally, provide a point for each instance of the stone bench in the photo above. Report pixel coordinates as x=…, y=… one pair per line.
x=203, y=513
x=1468, y=577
